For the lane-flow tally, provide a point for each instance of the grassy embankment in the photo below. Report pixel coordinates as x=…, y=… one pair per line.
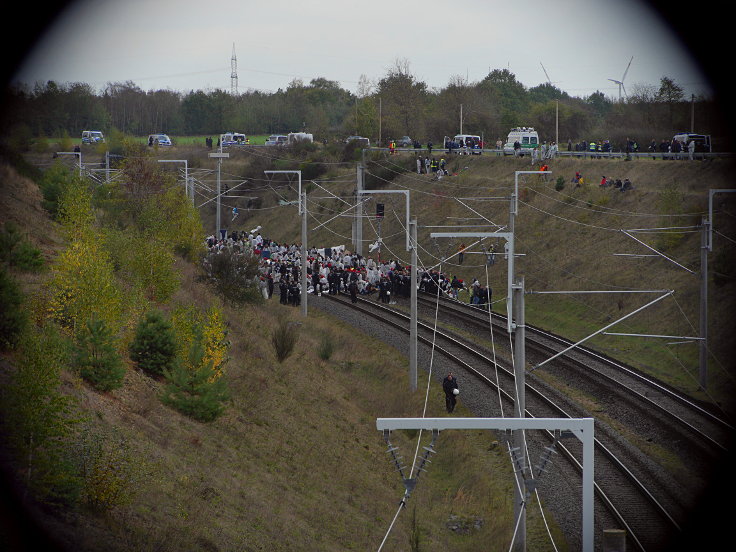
x=295, y=462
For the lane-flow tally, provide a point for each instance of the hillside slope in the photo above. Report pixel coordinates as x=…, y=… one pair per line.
x=295, y=463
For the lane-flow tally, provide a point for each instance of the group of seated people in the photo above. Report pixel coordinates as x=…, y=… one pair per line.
x=621, y=186
x=605, y=182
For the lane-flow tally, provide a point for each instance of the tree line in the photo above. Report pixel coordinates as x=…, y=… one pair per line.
x=398, y=104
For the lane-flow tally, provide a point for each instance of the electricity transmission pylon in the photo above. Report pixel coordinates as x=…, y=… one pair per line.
x=234, y=73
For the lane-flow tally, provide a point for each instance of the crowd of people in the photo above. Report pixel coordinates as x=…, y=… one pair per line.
x=430, y=165
x=541, y=152
x=335, y=270
x=673, y=146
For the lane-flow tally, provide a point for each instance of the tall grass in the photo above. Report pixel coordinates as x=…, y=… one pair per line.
x=284, y=338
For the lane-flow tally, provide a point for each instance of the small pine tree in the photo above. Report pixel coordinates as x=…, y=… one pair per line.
x=17, y=251
x=97, y=357
x=13, y=319
x=39, y=420
x=191, y=389
x=153, y=348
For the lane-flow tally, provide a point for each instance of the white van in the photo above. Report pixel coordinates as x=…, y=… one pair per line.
x=526, y=136
x=92, y=137
x=468, y=143
x=294, y=137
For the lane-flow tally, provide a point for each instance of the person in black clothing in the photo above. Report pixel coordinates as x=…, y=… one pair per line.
x=353, y=287
x=385, y=288
x=449, y=384
x=284, y=292
x=294, y=295
x=333, y=279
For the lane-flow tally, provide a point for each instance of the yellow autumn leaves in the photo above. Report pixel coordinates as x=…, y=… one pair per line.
x=113, y=272
x=83, y=281
x=189, y=323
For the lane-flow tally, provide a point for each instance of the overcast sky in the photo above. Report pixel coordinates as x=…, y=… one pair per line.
x=187, y=44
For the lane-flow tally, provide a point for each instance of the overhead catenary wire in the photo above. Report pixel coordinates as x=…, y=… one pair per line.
x=424, y=413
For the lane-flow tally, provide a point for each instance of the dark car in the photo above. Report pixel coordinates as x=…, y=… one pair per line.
x=363, y=142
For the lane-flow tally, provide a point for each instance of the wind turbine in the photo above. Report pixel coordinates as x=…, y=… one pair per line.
x=557, y=108
x=621, y=82
x=549, y=81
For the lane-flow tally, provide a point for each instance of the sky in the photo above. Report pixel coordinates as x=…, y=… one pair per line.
x=187, y=45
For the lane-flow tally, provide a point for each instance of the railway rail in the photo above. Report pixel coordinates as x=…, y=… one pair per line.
x=632, y=492
x=710, y=428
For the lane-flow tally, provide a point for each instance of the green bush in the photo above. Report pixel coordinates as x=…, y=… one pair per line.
x=233, y=275
x=97, y=357
x=326, y=347
x=560, y=183
x=153, y=348
x=17, y=251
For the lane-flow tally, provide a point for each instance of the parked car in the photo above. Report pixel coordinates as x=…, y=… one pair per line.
x=404, y=142
x=364, y=142
x=159, y=140
x=92, y=137
x=277, y=140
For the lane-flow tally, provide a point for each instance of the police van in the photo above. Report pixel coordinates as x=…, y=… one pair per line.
x=92, y=137
x=234, y=139
x=702, y=141
x=526, y=136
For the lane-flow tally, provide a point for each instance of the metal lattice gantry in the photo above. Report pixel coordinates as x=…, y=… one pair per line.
x=582, y=428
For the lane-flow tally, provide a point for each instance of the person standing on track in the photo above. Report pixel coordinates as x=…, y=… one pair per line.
x=449, y=385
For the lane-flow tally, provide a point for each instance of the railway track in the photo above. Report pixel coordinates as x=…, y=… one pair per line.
x=632, y=491
x=705, y=426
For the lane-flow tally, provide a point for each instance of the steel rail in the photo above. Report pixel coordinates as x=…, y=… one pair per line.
x=618, y=464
